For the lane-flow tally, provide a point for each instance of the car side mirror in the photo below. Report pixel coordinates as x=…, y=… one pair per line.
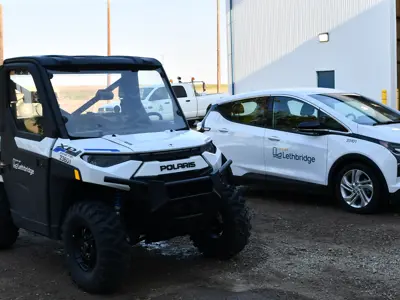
x=313, y=126
x=104, y=95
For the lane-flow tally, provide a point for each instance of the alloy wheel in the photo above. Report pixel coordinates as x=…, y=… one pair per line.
x=356, y=188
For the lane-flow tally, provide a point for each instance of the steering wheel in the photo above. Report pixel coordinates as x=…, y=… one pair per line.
x=352, y=115
x=155, y=114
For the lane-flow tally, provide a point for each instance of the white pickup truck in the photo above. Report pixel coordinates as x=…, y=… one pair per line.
x=156, y=99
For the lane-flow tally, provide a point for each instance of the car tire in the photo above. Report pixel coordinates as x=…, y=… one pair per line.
x=96, y=249
x=8, y=231
x=232, y=230
x=359, y=189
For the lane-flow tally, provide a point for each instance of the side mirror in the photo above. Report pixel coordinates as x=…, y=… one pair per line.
x=309, y=126
x=201, y=128
x=104, y=95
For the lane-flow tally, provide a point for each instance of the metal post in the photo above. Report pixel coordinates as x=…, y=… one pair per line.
x=1, y=35
x=218, y=52
x=108, y=37
x=384, y=97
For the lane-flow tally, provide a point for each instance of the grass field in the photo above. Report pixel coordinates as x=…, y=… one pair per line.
x=212, y=88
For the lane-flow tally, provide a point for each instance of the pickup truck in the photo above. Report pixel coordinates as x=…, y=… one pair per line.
x=156, y=99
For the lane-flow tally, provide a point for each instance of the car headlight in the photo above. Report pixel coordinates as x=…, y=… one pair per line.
x=392, y=147
x=209, y=147
x=105, y=161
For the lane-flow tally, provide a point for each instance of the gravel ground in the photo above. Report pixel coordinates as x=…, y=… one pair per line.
x=301, y=248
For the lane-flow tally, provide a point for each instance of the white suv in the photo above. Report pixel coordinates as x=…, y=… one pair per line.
x=325, y=137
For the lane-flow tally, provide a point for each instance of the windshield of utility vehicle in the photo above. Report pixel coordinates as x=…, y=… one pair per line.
x=359, y=108
x=145, y=91
x=98, y=103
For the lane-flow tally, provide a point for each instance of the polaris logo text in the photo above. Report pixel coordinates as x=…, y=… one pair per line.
x=178, y=166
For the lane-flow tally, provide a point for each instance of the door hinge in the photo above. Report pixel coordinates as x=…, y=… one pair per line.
x=40, y=163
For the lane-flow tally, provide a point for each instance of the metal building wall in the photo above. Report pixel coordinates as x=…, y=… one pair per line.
x=274, y=43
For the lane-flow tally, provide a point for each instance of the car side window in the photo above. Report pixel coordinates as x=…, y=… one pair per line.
x=25, y=105
x=160, y=94
x=247, y=112
x=179, y=91
x=327, y=122
x=289, y=112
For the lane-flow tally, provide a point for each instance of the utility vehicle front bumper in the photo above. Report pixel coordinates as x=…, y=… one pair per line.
x=157, y=190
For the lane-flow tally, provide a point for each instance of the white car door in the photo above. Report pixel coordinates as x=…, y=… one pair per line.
x=187, y=100
x=238, y=131
x=289, y=153
x=159, y=102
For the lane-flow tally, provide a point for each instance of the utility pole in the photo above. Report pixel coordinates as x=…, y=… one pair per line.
x=218, y=52
x=1, y=35
x=108, y=37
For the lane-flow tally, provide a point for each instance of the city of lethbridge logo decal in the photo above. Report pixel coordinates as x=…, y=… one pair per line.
x=282, y=153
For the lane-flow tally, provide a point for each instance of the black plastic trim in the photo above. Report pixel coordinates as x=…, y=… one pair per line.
x=158, y=189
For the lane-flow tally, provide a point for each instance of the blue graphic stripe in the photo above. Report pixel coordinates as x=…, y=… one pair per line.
x=59, y=149
x=102, y=150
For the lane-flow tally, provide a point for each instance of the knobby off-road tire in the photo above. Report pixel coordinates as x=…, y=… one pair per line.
x=8, y=231
x=235, y=223
x=99, y=265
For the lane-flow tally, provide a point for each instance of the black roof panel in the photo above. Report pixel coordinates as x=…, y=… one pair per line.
x=60, y=60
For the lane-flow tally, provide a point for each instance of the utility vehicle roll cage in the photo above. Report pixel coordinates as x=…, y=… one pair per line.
x=46, y=64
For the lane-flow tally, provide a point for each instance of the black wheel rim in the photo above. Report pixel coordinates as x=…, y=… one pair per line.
x=217, y=227
x=84, y=248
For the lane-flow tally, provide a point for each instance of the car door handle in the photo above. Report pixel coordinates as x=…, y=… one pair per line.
x=274, y=138
x=224, y=130
x=187, y=100
x=166, y=102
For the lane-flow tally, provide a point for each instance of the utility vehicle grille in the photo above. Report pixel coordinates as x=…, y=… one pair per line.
x=184, y=189
x=169, y=155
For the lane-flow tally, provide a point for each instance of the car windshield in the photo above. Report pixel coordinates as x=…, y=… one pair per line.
x=101, y=102
x=359, y=108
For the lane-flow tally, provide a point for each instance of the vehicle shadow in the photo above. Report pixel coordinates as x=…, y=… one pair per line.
x=306, y=198
x=290, y=196
x=167, y=266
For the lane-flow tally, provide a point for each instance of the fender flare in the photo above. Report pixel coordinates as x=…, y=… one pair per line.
x=350, y=158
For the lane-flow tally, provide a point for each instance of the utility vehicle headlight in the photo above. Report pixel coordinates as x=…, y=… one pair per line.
x=209, y=147
x=105, y=161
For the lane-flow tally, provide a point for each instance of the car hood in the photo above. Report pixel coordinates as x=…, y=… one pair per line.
x=388, y=133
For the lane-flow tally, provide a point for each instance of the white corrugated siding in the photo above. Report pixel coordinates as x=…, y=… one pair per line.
x=277, y=41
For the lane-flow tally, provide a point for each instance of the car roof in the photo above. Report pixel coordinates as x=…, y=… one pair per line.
x=299, y=91
x=80, y=60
